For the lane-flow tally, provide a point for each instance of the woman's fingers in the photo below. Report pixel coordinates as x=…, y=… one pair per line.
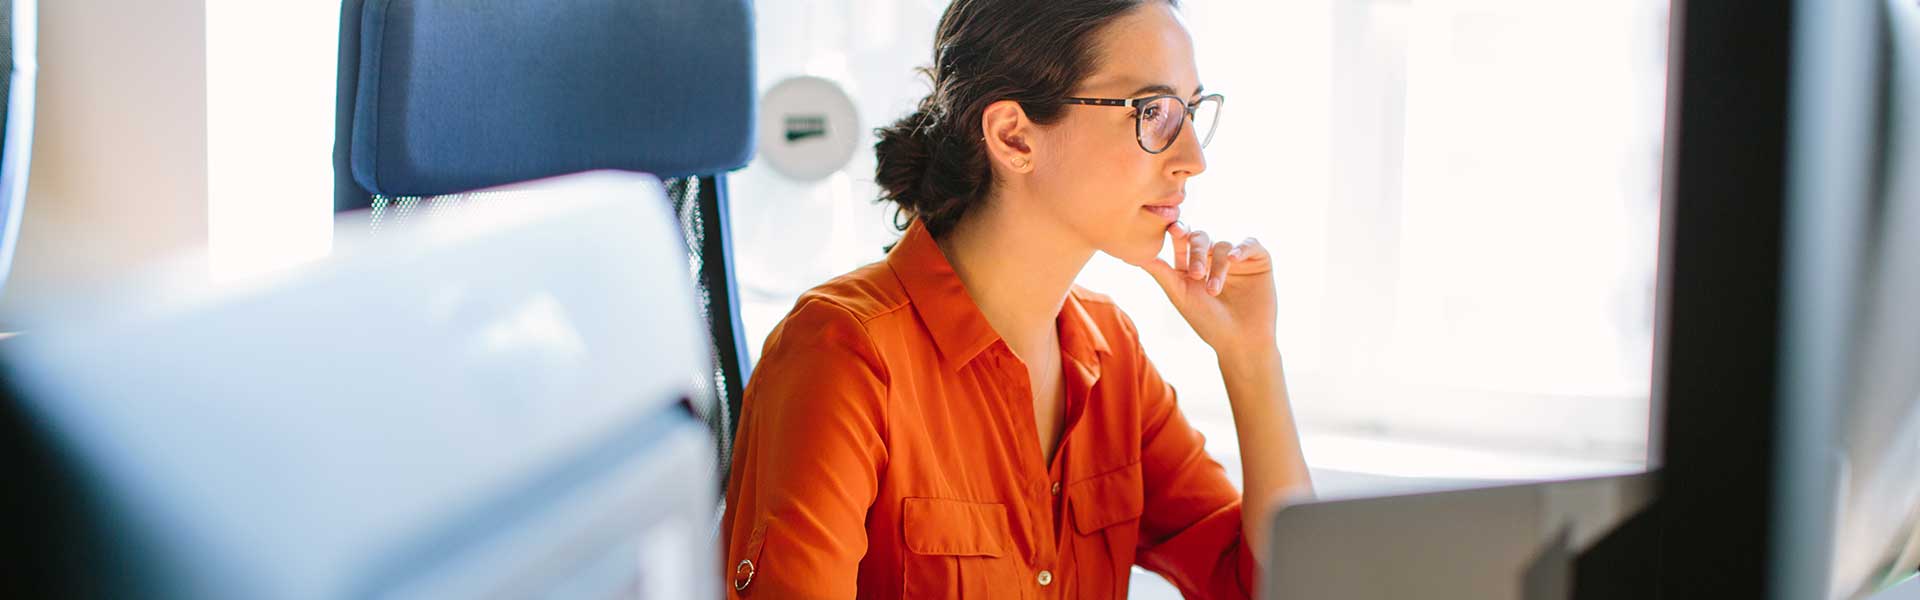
x=1197, y=257
x=1248, y=249
x=1179, y=232
x=1165, y=275
x=1217, y=274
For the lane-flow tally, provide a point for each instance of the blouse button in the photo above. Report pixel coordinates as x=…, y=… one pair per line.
x=1045, y=577
x=1056, y=488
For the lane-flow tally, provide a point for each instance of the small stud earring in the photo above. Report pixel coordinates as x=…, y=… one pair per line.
x=1019, y=162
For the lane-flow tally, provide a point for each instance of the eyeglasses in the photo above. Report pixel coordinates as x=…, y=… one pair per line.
x=1155, y=119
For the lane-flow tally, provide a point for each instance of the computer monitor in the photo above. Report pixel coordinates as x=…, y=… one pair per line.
x=19, y=65
x=1511, y=542
x=490, y=402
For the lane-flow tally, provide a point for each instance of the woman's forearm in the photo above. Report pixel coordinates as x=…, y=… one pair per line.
x=1272, y=466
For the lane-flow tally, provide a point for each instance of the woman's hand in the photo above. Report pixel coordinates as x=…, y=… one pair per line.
x=1225, y=291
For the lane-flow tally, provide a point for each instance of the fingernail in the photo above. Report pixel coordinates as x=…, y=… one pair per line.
x=1214, y=285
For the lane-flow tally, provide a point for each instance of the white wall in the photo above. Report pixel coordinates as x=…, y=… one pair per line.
x=119, y=173
x=185, y=139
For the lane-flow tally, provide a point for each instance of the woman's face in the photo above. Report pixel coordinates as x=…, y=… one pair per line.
x=1090, y=173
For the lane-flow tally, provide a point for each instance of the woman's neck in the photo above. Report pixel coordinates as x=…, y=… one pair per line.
x=1018, y=271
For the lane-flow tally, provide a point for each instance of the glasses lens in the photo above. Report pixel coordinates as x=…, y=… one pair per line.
x=1160, y=122
x=1206, y=118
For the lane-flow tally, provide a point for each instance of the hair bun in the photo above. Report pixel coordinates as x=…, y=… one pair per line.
x=932, y=164
x=902, y=154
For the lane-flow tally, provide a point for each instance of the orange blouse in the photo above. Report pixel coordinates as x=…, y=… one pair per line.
x=887, y=449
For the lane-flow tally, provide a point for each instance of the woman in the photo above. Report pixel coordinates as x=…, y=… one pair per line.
x=959, y=420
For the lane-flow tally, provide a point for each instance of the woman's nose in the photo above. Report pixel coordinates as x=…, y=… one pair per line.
x=1186, y=158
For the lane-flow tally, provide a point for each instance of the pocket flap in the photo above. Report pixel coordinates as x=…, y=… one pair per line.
x=755, y=540
x=1107, y=499
x=955, y=527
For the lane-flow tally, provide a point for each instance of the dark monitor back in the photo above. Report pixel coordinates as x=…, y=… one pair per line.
x=1877, y=534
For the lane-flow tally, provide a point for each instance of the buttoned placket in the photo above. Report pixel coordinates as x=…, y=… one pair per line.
x=1049, y=490
x=1046, y=551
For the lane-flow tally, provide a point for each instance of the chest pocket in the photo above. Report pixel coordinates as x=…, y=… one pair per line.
x=1106, y=514
x=960, y=549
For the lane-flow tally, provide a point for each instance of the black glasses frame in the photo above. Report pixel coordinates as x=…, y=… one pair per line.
x=1139, y=116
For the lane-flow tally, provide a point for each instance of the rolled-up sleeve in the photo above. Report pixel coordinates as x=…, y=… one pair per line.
x=813, y=444
x=1191, y=532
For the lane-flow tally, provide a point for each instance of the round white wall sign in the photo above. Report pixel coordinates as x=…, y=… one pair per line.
x=808, y=128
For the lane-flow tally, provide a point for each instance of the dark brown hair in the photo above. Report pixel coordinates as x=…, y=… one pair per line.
x=933, y=163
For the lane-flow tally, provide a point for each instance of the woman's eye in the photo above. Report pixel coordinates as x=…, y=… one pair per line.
x=1151, y=113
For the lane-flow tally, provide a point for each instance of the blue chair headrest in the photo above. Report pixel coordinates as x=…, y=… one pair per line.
x=448, y=96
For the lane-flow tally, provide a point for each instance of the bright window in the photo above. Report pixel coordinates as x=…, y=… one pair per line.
x=270, y=91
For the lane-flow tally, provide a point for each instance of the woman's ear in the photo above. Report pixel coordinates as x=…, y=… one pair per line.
x=1009, y=136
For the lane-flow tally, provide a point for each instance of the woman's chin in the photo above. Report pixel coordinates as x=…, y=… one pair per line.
x=1138, y=253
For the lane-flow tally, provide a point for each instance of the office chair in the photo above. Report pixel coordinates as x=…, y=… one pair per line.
x=440, y=97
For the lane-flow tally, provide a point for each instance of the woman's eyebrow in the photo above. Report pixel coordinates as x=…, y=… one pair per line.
x=1161, y=88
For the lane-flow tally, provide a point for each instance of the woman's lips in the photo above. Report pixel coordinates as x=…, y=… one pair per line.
x=1168, y=212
